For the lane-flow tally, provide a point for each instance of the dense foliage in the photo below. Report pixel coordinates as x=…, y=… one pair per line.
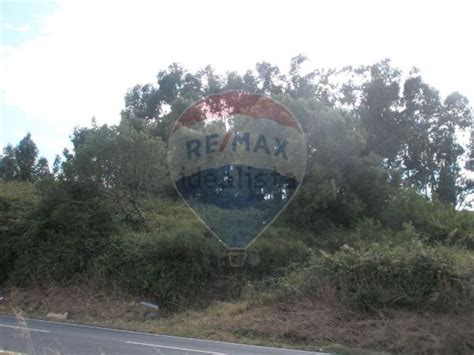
x=379, y=215
x=408, y=274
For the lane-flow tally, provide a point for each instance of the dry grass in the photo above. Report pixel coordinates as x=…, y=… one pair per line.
x=75, y=300
x=318, y=323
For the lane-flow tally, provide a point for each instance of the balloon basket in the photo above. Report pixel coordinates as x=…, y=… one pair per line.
x=237, y=258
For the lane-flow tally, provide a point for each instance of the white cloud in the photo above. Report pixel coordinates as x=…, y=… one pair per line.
x=21, y=29
x=91, y=52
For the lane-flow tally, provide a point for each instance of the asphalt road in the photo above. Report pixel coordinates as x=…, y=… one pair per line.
x=44, y=337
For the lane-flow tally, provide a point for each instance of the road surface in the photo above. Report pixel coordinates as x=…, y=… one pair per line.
x=44, y=337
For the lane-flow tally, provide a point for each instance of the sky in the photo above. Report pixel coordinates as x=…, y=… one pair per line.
x=64, y=62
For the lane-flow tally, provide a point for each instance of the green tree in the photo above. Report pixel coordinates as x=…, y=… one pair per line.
x=41, y=169
x=342, y=184
x=8, y=165
x=412, y=133
x=432, y=153
x=26, y=153
x=456, y=117
x=378, y=111
x=125, y=162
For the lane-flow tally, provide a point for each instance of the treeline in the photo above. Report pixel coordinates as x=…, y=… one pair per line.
x=404, y=122
x=386, y=172
x=21, y=163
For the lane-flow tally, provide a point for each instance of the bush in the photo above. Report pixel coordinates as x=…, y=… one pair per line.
x=17, y=201
x=274, y=252
x=185, y=267
x=409, y=275
x=174, y=269
x=434, y=221
x=70, y=224
x=364, y=232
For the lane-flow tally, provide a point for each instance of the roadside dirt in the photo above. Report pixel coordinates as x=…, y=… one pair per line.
x=321, y=323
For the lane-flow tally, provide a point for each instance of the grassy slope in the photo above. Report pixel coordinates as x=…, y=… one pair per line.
x=318, y=323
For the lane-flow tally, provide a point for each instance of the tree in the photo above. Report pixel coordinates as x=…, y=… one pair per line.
x=300, y=86
x=403, y=124
x=26, y=153
x=269, y=78
x=456, y=117
x=56, y=165
x=378, y=111
x=470, y=162
x=41, y=169
x=124, y=162
x=342, y=184
x=432, y=153
x=8, y=165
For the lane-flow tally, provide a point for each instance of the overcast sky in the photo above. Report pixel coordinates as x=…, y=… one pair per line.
x=63, y=62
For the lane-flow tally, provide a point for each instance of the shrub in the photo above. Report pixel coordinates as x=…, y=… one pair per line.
x=434, y=221
x=69, y=225
x=409, y=275
x=174, y=269
x=364, y=232
x=276, y=251
x=17, y=200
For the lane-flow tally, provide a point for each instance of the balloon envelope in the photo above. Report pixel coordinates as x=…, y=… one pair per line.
x=237, y=159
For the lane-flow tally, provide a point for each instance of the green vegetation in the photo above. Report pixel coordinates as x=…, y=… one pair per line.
x=380, y=219
x=409, y=275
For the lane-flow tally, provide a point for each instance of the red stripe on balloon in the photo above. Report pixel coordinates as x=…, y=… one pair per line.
x=237, y=103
